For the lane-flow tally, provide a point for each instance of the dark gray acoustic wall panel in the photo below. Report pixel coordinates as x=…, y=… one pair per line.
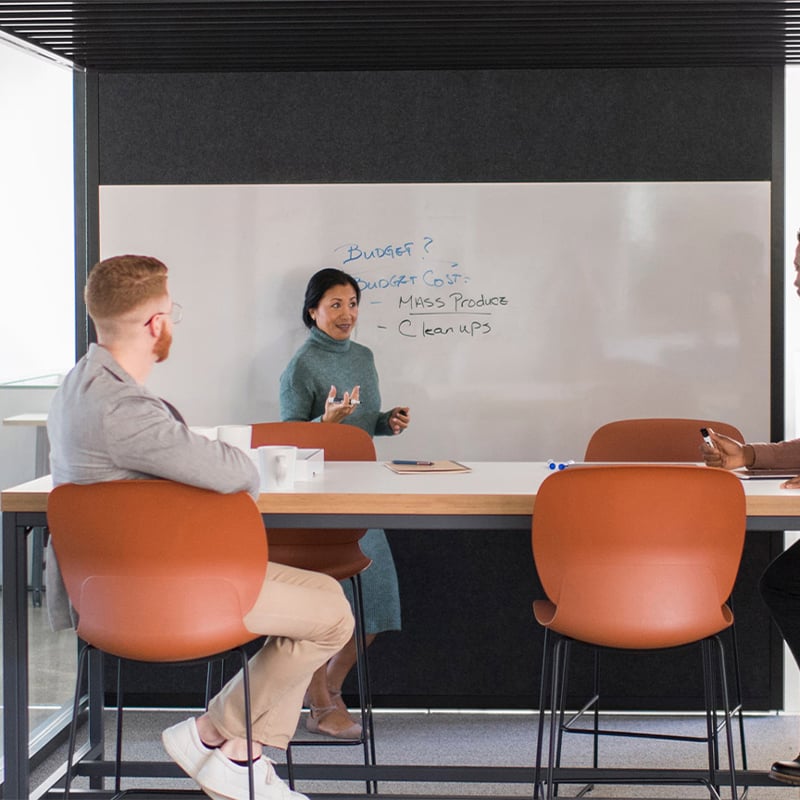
x=548, y=125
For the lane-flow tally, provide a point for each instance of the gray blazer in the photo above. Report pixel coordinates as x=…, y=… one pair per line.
x=104, y=426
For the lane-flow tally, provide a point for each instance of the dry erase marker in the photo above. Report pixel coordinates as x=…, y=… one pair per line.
x=706, y=437
x=413, y=463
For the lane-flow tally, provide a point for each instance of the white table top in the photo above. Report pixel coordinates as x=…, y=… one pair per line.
x=26, y=419
x=491, y=488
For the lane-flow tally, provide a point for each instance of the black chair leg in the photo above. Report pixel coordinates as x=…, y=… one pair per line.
x=367, y=738
x=710, y=669
x=737, y=680
x=290, y=766
x=73, y=728
x=547, y=647
x=555, y=665
x=83, y=656
x=120, y=706
x=555, y=659
x=562, y=702
x=556, y=680
x=213, y=686
x=711, y=724
x=364, y=690
x=716, y=642
x=596, y=719
x=248, y=720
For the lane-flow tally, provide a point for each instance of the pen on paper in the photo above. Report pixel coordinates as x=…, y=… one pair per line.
x=412, y=463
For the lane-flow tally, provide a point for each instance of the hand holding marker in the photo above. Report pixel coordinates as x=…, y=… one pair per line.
x=399, y=418
x=336, y=409
x=349, y=399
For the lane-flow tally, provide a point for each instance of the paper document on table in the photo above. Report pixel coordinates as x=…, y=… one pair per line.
x=412, y=467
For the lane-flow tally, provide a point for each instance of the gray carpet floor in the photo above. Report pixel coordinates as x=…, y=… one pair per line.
x=499, y=739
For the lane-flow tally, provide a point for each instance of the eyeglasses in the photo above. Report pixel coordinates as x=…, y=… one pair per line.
x=175, y=314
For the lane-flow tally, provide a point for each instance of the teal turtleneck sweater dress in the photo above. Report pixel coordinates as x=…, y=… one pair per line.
x=322, y=362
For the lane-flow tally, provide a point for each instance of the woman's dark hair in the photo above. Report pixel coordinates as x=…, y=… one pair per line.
x=319, y=283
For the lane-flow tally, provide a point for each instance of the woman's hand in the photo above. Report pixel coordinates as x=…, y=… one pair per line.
x=398, y=419
x=336, y=412
x=726, y=452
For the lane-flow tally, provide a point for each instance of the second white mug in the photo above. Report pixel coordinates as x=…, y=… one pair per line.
x=276, y=465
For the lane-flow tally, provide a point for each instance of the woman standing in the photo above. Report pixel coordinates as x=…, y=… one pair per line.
x=327, y=362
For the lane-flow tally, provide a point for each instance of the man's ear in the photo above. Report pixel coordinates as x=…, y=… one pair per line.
x=155, y=326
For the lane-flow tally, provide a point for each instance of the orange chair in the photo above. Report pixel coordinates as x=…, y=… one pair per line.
x=335, y=552
x=159, y=572
x=636, y=557
x=655, y=439
x=666, y=439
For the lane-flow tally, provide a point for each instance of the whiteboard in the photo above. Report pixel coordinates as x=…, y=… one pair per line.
x=513, y=319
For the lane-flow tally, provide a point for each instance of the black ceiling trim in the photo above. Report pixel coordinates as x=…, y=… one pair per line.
x=264, y=35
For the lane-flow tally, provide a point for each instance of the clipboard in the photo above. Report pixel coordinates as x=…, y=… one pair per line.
x=427, y=467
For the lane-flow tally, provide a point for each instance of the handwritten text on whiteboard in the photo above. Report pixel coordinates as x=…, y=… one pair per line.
x=413, y=308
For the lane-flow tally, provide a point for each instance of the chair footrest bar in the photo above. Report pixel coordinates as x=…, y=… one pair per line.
x=448, y=774
x=129, y=794
x=191, y=794
x=661, y=776
x=673, y=737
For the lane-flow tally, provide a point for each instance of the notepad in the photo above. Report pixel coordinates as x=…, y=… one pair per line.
x=433, y=466
x=755, y=474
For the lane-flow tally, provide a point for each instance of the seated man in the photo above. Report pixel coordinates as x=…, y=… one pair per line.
x=780, y=583
x=104, y=425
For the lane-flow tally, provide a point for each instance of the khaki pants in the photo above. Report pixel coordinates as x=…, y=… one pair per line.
x=307, y=619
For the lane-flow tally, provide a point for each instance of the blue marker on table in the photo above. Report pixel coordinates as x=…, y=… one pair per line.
x=413, y=463
x=559, y=464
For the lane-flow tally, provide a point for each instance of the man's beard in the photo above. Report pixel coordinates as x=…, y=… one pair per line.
x=162, y=345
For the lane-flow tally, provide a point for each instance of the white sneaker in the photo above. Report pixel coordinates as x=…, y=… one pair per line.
x=221, y=779
x=182, y=743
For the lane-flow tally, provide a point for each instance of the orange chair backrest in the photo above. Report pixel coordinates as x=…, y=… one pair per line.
x=158, y=571
x=655, y=439
x=639, y=556
x=332, y=551
x=340, y=442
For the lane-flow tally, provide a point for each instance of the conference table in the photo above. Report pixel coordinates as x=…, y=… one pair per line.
x=492, y=496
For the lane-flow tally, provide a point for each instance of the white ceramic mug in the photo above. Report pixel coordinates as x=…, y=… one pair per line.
x=276, y=466
x=237, y=435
